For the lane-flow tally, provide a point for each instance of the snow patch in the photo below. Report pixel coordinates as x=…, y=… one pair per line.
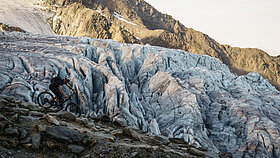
x=100, y=13
x=120, y=17
x=56, y=17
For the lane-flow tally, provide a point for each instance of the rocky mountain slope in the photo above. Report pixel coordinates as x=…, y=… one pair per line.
x=135, y=21
x=157, y=90
x=27, y=131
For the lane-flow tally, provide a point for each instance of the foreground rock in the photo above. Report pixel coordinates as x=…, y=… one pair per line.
x=25, y=140
x=170, y=92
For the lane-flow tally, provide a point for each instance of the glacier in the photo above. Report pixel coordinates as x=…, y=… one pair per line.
x=158, y=90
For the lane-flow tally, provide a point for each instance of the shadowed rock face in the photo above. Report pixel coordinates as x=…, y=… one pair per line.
x=184, y=95
x=135, y=21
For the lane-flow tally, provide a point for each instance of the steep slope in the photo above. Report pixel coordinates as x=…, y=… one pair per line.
x=162, y=91
x=25, y=14
x=135, y=21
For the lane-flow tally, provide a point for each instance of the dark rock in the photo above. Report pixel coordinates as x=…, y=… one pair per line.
x=23, y=133
x=51, y=144
x=15, y=118
x=76, y=148
x=160, y=140
x=6, y=144
x=3, y=122
x=41, y=128
x=120, y=122
x=8, y=109
x=11, y=131
x=28, y=119
x=65, y=115
x=32, y=106
x=82, y=121
x=14, y=142
x=131, y=133
x=64, y=134
x=178, y=140
x=21, y=111
x=27, y=146
x=25, y=140
x=36, y=140
x=3, y=103
x=102, y=117
x=36, y=113
x=194, y=151
x=166, y=132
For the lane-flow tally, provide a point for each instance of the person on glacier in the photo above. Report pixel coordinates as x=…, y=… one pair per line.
x=56, y=87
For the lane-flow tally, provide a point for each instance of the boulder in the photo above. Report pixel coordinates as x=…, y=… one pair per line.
x=64, y=134
x=51, y=119
x=76, y=148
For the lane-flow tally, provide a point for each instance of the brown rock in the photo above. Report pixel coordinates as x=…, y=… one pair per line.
x=65, y=115
x=90, y=125
x=131, y=133
x=82, y=121
x=117, y=132
x=41, y=128
x=32, y=106
x=93, y=129
x=51, y=144
x=4, y=27
x=93, y=143
x=102, y=117
x=51, y=119
x=178, y=140
x=194, y=151
x=14, y=142
x=120, y=123
x=27, y=146
x=111, y=139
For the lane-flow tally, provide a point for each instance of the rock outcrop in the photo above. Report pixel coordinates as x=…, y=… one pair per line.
x=136, y=21
x=189, y=97
x=75, y=138
x=4, y=27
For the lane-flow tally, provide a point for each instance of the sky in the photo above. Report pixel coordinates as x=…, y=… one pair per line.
x=238, y=23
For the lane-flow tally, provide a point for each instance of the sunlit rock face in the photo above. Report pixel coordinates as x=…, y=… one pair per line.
x=161, y=91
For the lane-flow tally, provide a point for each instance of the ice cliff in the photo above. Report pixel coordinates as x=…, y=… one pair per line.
x=158, y=90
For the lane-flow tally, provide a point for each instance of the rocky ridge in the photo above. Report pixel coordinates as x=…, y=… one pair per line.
x=4, y=27
x=166, y=92
x=27, y=130
x=136, y=21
